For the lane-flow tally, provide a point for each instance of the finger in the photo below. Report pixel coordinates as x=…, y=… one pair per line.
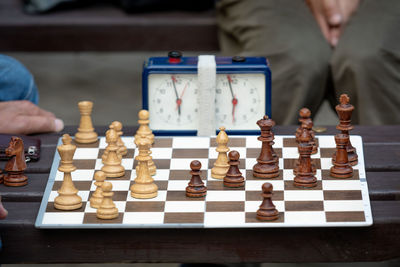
x=26, y=107
x=332, y=12
x=36, y=124
x=3, y=211
x=323, y=26
x=335, y=33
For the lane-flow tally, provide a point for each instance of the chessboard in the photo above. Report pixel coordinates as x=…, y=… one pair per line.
x=333, y=202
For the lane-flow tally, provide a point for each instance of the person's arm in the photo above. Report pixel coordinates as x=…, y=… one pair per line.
x=24, y=117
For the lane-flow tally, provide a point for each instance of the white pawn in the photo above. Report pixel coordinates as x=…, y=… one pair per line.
x=122, y=150
x=144, y=128
x=107, y=209
x=221, y=165
x=112, y=163
x=97, y=196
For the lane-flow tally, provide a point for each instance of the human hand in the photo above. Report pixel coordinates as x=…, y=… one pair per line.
x=3, y=211
x=332, y=16
x=24, y=117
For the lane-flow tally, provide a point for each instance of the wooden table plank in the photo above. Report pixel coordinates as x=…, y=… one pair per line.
x=376, y=243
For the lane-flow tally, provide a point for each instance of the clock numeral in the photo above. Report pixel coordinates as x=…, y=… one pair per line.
x=162, y=91
x=216, y=110
x=161, y=110
x=218, y=91
x=254, y=100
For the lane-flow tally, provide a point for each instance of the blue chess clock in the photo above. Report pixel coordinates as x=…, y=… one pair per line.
x=170, y=93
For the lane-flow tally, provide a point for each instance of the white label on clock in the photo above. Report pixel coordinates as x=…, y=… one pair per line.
x=173, y=101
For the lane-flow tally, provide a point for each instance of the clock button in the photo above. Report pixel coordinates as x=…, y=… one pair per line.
x=174, y=57
x=238, y=59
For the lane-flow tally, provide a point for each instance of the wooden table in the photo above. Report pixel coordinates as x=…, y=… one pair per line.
x=22, y=242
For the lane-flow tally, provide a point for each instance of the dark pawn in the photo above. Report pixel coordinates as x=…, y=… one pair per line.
x=344, y=111
x=267, y=165
x=304, y=175
x=16, y=165
x=233, y=177
x=267, y=210
x=308, y=126
x=341, y=167
x=306, y=121
x=196, y=186
x=305, y=114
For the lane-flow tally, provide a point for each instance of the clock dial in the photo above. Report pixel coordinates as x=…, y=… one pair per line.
x=173, y=102
x=240, y=100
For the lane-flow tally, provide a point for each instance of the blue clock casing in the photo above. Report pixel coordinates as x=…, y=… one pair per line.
x=188, y=65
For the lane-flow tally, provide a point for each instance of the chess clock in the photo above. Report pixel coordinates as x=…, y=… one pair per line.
x=170, y=93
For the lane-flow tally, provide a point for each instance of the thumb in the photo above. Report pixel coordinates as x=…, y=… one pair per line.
x=3, y=211
x=37, y=124
x=332, y=12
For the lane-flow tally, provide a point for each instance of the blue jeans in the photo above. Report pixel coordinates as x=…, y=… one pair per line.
x=16, y=82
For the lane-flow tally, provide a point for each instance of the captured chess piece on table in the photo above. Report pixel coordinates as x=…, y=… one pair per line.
x=144, y=186
x=107, y=209
x=16, y=165
x=341, y=166
x=86, y=133
x=196, y=186
x=344, y=111
x=304, y=175
x=67, y=198
x=112, y=163
x=144, y=129
x=97, y=196
x=221, y=165
x=267, y=210
x=233, y=177
x=267, y=165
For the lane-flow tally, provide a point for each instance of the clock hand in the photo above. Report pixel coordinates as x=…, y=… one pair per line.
x=178, y=101
x=234, y=99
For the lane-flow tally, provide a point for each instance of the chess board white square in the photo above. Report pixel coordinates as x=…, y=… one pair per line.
x=299, y=195
x=129, y=142
x=325, y=141
x=256, y=185
x=253, y=206
x=86, y=153
x=341, y=184
x=161, y=175
x=102, y=143
x=290, y=153
x=223, y=219
x=252, y=142
x=278, y=141
x=117, y=185
x=143, y=218
x=213, y=154
x=82, y=175
x=178, y=185
x=63, y=217
x=288, y=175
x=161, y=196
x=326, y=163
x=343, y=205
x=161, y=153
x=304, y=217
x=191, y=142
x=225, y=195
x=184, y=164
x=184, y=206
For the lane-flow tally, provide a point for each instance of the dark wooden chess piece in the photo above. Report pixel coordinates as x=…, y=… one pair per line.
x=305, y=117
x=233, y=177
x=196, y=186
x=267, y=210
x=267, y=165
x=341, y=167
x=304, y=176
x=307, y=125
x=344, y=111
x=16, y=165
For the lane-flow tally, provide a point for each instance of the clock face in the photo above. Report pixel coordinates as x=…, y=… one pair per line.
x=173, y=101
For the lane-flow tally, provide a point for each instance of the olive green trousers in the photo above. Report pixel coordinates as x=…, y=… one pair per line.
x=306, y=70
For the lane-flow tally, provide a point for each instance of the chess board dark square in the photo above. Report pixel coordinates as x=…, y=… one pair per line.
x=342, y=195
x=291, y=163
x=327, y=152
x=177, y=217
x=233, y=142
x=219, y=186
x=192, y=153
x=145, y=206
x=50, y=208
x=118, y=196
x=250, y=176
x=256, y=196
x=291, y=142
x=160, y=163
x=345, y=216
x=85, y=164
x=80, y=185
x=181, y=196
x=242, y=163
x=91, y=218
x=223, y=206
x=289, y=185
x=255, y=152
x=325, y=175
x=181, y=175
x=304, y=205
x=162, y=142
x=251, y=217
